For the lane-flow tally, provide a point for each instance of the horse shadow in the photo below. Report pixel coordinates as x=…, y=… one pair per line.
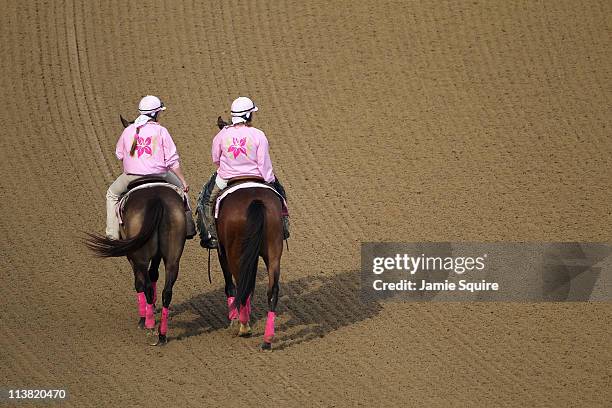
x=309, y=308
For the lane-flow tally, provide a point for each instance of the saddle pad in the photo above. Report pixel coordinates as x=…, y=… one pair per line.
x=124, y=198
x=250, y=184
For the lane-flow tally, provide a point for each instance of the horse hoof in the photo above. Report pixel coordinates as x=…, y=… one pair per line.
x=162, y=340
x=245, y=330
x=141, y=323
x=266, y=346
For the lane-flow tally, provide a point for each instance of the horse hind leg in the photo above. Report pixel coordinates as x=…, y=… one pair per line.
x=150, y=308
x=244, y=316
x=241, y=314
x=144, y=295
x=230, y=288
x=154, y=275
x=140, y=285
x=273, y=288
x=172, y=270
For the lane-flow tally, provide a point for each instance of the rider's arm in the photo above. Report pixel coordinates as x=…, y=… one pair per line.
x=171, y=157
x=179, y=173
x=216, y=149
x=119, y=147
x=263, y=160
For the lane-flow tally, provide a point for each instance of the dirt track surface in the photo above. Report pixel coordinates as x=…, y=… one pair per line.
x=387, y=121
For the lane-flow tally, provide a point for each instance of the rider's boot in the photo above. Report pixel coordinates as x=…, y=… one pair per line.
x=285, y=227
x=206, y=240
x=209, y=239
x=279, y=187
x=190, y=231
x=112, y=222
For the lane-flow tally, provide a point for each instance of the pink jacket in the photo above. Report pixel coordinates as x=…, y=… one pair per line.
x=155, y=151
x=242, y=151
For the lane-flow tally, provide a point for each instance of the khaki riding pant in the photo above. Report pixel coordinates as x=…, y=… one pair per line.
x=119, y=187
x=209, y=216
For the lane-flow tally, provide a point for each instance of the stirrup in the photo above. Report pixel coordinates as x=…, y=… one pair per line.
x=209, y=243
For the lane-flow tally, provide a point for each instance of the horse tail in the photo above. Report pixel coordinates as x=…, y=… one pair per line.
x=107, y=248
x=251, y=245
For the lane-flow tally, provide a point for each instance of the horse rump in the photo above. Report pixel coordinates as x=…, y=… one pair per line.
x=105, y=247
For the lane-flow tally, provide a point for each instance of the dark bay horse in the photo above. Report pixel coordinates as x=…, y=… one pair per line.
x=249, y=226
x=154, y=229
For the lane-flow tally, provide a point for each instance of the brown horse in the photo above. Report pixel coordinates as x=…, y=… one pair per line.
x=249, y=226
x=154, y=229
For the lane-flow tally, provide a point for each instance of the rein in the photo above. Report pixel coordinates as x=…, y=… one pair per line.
x=209, y=280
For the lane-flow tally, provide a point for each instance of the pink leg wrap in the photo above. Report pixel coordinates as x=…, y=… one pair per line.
x=245, y=311
x=150, y=317
x=154, y=292
x=142, y=303
x=269, y=332
x=163, y=327
x=233, y=313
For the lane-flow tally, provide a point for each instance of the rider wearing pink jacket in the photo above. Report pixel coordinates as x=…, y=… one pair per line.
x=238, y=150
x=155, y=150
x=146, y=149
x=242, y=150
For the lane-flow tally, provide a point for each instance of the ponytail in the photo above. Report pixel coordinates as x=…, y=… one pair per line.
x=153, y=116
x=134, y=143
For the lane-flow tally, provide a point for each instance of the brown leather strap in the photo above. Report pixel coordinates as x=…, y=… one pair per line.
x=244, y=179
x=146, y=179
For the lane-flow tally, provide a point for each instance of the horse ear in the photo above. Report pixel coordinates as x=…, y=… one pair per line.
x=221, y=123
x=125, y=122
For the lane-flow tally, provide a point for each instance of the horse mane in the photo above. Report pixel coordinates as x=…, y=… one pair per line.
x=221, y=123
x=124, y=121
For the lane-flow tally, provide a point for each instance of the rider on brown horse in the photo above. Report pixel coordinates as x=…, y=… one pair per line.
x=239, y=150
x=145, y=148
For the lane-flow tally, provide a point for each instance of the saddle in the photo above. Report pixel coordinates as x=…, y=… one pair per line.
x=245, y=182
x=235, y=181
x=243, y=179
x=144, y=180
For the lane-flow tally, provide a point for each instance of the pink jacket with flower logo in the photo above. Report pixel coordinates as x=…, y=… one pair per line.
x=155, y=150
x=242, y=151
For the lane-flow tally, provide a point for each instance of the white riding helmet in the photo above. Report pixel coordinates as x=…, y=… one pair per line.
x=241, y=109
x=150, y=104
